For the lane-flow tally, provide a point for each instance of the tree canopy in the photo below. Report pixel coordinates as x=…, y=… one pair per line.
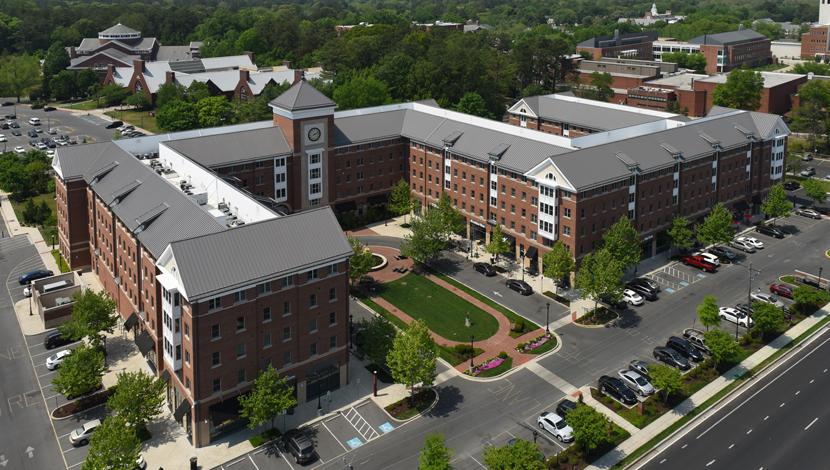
x=708, y=312
x=623, y=242
x=270, y=396
x=412, y=357
x=139, y=397
x=519, y=454
x=80, y=372
x=776, y=203
x=93, y=314
x=742, y=90
x=113, y=446
x=600, y=276
x=716, y=227
x=558, y=262
x=435, y=455
x=680, y=233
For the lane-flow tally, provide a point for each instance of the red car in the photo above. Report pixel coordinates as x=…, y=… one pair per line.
x=699, y=262
x=784, y=290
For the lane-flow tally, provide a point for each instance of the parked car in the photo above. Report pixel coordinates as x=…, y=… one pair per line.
x=30, y=276
x=2, y=138
x=8, y=103
x=33, y=121
x=564, y=407
x=770, y=231
x=519, y=286
x=54, y=340
x=644, y=281
x=807, y=157
x=114, y=124
x=805, y=212
x=671, y=357
x=19, y=150
x=757, y=244
x=643, y=289
x=743, y=246
x=745, y=307
x=632, y=298
x=699, y=262
x=808, y=172
x=16, y=132
x=49, y=108
x=725, y=255
x=32, y=133
x=710, y=257
x=54, y=361
x=685, y=348
x=766, y=298
x=556, y=425
x=14, y=125
x=791, y=185
x=80, y=436
x=636, y=382
x=615, y=388
x=640, y=367
x=485, y=268
x=299, y=446
x=784, y=290
x=734, y=315
x=696, y=338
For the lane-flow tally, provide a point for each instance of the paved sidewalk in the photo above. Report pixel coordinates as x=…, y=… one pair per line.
x=16, y=228
x=644, y=435
x=99, y=112
x=614, y=417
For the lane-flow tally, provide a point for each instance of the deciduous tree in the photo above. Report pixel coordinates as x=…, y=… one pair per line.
x=498, y=245
x=375, y=339
x=113, y=446
x=722, y=346
x=776, y=203
x=623, y=242
x=270, y=396
x=80, y=372
x=361, y=91
x=519, y=454
x=139, y=397
x=19, y=74
x=214, y=111
x=93, y=314
x=600, y=276
x=177, y=115
x=742, y=90
x=558, y=262
x=472, y=103
x=681, y=234
x=716, y=227
x=591, y=428
x=361, y=261
x=767, y=318
x=425, y=240
x=814, y=190
x=666, y=379
x=435, y=455
x=412, y=357
x=400, y=199
x=708, y=312
x=807, y=298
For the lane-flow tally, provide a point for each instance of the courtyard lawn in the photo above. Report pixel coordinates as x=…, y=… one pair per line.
x=440, y=309
x=140, y=119
x=46, y=231
x=80, y=105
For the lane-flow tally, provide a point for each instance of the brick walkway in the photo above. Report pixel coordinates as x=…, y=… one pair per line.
x=501, y=341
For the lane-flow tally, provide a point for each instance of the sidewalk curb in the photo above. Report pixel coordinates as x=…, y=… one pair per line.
x=519, y=367
x=409, y=420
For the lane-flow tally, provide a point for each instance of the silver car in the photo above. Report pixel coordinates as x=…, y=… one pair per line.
x=80, y=436
x=636, y=382
x=743, y=246
x=767, y=298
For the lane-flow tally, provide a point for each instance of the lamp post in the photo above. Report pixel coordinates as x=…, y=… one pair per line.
x=53, y=242
x=472, y=352
x=522, y=265
x=547, y=318
x=819, y=277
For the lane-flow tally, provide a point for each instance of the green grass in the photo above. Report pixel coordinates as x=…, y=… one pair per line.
x=769, y=67
x=450, y=355
x=46, y=231
x=61, y=263
x=81, y=105
x=140, y=119
x=266, y=436
x=442, y=311
x=824, y=183
x=510, y=314
x=502, y=368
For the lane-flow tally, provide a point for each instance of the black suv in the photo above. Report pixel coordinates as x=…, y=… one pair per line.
x=55, y=340
x=520, y=286
x=725, y=255
x=770, y=231
x=791, y=185
x=671, y=357
x=299, y=445
x=485, y=268
x=643, y=288
x=564, y=407
x=616, y=388
x=115, y=124
x=685, y=348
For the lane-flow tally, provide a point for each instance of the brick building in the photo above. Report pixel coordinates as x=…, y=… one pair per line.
x=733, y=50
x=776, y=96
x=628, y=46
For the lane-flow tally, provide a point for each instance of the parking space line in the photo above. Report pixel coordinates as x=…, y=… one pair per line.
x=289, y=463
x=334, y=436
x=252, y=462
x=73, y=466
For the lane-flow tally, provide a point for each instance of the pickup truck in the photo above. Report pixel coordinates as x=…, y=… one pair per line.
x=699, y=262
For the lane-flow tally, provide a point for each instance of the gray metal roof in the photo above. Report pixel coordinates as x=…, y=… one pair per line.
x=258, y=252
x=591, y=117
x=601, y=163
x=302, y=95
x=182, y=217
x=223, y=149
x=119, y=29
x=619, y=39
x=173, y=53
x=368, y=127
x=75, y=161
x=730, y=37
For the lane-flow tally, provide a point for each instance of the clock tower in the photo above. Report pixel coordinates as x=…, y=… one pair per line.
x=306, y=118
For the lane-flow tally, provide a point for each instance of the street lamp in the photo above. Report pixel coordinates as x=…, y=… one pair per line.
x=547, y=318
x=522, y=266
x=53, y=242
x=819, y=277
x=472, y=352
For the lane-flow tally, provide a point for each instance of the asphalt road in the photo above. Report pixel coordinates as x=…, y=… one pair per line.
x=782, y=421
x=81, y=127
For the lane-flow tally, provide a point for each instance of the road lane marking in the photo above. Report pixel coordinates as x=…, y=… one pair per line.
x=797, y=392
x=684, y=446
x=766, y=417
x=731, y=446
x=710, y=462
x=812, y=380
x=782, y=404
x=252, y=462
x=749, y=432
x=662, y=461
x=811, y=423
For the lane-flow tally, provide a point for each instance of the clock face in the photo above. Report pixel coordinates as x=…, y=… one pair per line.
x=314, y=134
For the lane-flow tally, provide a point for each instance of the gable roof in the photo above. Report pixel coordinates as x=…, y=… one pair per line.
x=258, y=252
x=587, y=114
x=619, y=39
x=118, y=29
x=222, y=149
x=302, y=95
x=730, y=37
x=75, y=161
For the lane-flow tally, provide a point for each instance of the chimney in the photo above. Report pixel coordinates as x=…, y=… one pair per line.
x=243, y=76
x=251, y=56
x=287, y=64
x=299, y=74
x=617, y=37
x=138, y=66
x=72, y=53
x=740, y=26
x=169, y=77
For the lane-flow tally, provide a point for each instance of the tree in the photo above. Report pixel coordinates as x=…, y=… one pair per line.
x=722, y=346
x=814, y=190
x=812, y=113
x=412, y=357
x=56, y=60
x=375, y=339
x=520, y=454
x=19, y=74
x=425, y=240
x=498, y=244
x=623, y=242
x=177, y=115
x=137, y=101
x=93, y=314
x=767, y=318
x=80, y=372
x=113, y=94
x=214, y=111
x=558, y=262
x=270, y=396
x=589, y=425
x=450, y=219
x=600, y=276
x=472, y=103
x=87, y=82
x=681, y=235
x=742, y=90
x=807, y=298
x=776, y=203
x=665, y=378
x=361, y=261
x=708, y=312
x=169, y=92
x=716, y=227
x=400, y=199
x=113, y=446
x=361, y=91
x=601, y=86
x=63, y=86
x=435, y=455
x=695, y=61
x=197, y=91
x=139, y=397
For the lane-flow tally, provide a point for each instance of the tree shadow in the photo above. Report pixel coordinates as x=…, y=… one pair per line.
x=629, y=318
x=449, y=398
x=447, y=265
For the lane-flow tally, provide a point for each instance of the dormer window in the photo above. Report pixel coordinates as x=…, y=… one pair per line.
x=550, y=176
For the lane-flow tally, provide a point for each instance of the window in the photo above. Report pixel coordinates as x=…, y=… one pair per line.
x=333, y=342
x=266, y=340
x=314, y=173
x=240, y=350
x=333, y=269
x=312, y=349
x=216, y=359
x=312, y=274
x=179, y=353
x=315, y=188
x=240, y=324
x=214, y=303
x=566, y=230
x=266, y=314
x=239, y=297
x=214, y=332
x=286, y=358
x=286, y=333
x=286, y=308
x=187, y=357
x=264, y=287
x=240, y=376
x=333, y=294
x=187, y=329
x=312, y=300
x=567, y=212
x=314, y=158
x=332, y=319
x=217, y=385
x=312, y=325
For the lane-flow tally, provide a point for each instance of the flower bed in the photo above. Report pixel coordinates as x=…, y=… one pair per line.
x=485, y=367
x=537, y=345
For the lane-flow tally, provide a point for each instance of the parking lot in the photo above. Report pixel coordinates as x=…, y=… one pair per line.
x=81, y=128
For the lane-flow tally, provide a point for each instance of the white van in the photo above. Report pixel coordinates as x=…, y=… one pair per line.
x=55, y=286
x=34, y=121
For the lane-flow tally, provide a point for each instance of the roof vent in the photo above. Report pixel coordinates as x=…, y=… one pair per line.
x=715, y=143
x=119, y=194
x=147, y=218
x=676, y=154
x=451, y=139
x=747, y=133
x=629, y=162
x=498, y=151
x=101, y=172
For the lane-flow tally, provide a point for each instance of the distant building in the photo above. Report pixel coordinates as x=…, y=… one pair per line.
x=815, y=44
x=652, y=16
x=120, y=45
x=628, y=46
x=776, y=96
x=723, y=51
x=439, y=24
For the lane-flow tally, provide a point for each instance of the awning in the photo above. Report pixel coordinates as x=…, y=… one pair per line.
x=131, y=321
x=532, y=252
x=741, y=206
x=345, y=206
x=144, y=343
x=377, y=199
x=165, y=375
x=183, y=408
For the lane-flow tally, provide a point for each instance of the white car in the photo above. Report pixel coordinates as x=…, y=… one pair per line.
x=556, y=425
x=19, y=150
x=80, y=436
x=53, y=361
x=734, y=315
x=2, y=138
x=41, y=146
x=746, y=247
x=708, y=257
x=758, y=244
x=27, y=291
x=767, y=298
x=34, y=121
x=636, y=382
x=50, y=153
x=632, y=297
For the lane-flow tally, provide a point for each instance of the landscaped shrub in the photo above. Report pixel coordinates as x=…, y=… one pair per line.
x=518, y=326
x=463, y=350
x=503, y=355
